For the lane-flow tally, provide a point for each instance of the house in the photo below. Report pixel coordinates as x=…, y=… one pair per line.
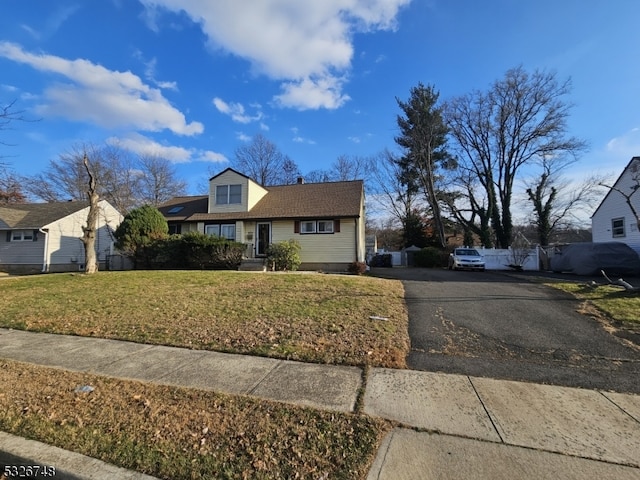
x=614, y=219
x=46, y=237
x=327, y=219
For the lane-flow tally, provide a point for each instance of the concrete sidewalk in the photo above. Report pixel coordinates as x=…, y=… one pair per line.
x=452, y=426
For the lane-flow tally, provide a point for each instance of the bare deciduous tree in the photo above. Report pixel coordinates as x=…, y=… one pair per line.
x=10, y=187
x=124, y=180
x=262, y=161
x=519, y=120
x=90, y=230
x=555, y=199
x=158, y=181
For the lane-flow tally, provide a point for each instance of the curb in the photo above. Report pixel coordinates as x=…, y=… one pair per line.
x=56, y=463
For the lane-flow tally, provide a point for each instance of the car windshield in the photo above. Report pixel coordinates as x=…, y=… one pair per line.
x=467, y=252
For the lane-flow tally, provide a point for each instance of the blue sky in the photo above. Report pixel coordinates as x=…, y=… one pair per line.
x=192, y=80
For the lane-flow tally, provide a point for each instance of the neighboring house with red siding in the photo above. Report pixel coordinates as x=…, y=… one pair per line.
x=46, y=237
x=327, y=219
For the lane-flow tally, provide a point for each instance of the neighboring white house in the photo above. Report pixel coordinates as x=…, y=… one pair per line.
x=326, y=219
x=46, y=237
x=614, y=219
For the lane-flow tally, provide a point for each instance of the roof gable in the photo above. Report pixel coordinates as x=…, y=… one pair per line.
x=229, y=169
x=633, y=167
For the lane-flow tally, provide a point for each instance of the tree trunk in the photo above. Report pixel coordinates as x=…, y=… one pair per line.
x=91, y=228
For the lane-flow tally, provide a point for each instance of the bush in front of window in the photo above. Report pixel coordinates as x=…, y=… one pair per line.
x=284, y=255
x=197, y=251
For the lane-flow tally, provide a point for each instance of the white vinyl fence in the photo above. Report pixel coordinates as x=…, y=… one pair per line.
x=495, y=258
x=500, y=259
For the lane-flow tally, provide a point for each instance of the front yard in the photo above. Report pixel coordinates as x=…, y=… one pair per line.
x=179, y=433
x=307, y=317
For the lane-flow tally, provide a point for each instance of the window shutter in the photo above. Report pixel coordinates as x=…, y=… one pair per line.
x=336, y=226
x=296, y=226
x=9, y=236
x=35, y=235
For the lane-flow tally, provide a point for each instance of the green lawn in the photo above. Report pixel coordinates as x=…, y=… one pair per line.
x=178, y=433
x=308, y=317
x=614, y=302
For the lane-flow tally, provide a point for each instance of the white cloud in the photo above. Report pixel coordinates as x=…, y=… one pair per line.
x=626, y=145
x=213, y=157
x=145, y=146
x=307, y=45
x=142, y=145
x=300, y=139
x=309, y=94
x=150, y=74
x=107, y=98
x=237, y=112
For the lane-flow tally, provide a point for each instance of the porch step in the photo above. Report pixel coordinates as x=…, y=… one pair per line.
x=253, y=265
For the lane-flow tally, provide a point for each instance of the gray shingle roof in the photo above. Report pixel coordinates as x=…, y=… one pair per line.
x=36, y=215
x=298, y=201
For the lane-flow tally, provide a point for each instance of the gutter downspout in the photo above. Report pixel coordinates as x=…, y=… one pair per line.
x=45, y=260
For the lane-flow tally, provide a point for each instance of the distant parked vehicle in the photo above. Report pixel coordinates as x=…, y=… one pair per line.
x=466, y=259
x=586, y=258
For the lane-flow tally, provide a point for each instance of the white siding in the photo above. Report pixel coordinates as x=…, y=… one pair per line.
x=614, y=206
x=64, y=237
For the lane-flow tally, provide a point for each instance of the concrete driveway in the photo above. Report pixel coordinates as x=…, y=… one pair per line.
x=498, y=325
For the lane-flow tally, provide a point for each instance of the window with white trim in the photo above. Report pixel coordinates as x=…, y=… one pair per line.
x=317, y=226
x=228, y=194
x=617, y=227
x=325, y=226
x=307, y=227
x=227, y=230
x=22, y=236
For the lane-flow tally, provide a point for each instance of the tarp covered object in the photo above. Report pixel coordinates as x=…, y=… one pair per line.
x=614, y=258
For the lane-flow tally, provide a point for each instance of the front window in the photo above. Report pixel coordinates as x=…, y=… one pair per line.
x=228, y=194
x=617, y=227
x=325, y=226
x=307, y=227
x=317, y=226
x=227, y=231
x=22, y=235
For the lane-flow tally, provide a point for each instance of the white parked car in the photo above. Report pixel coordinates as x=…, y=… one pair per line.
x=466, y=258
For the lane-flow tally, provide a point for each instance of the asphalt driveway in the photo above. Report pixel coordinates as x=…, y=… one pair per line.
x=493, y=324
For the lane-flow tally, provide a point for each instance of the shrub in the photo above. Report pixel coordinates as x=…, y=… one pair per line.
x=197, y=251
x=284, y=255
x=382, y=260
x=429, y=257
x=357, y=268
x=139, y=229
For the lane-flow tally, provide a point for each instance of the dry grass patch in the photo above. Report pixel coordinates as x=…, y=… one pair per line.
x=315, y=318
x=178, y=433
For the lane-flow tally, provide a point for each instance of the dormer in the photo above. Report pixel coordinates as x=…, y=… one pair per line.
x=231, y=191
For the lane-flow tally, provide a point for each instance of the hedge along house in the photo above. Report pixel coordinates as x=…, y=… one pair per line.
x=46, y=237
x=614, y=219
x=326, y=219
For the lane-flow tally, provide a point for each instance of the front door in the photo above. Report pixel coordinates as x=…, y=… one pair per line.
x=263, y=238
